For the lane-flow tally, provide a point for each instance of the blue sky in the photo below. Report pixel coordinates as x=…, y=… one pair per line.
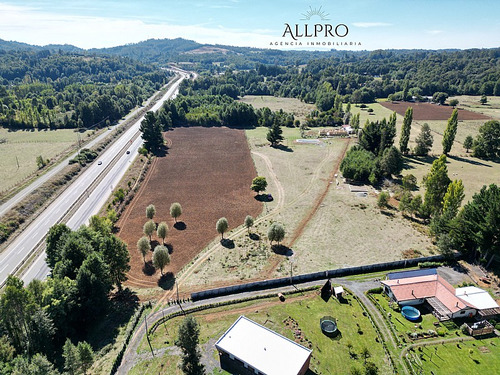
x=372, y=24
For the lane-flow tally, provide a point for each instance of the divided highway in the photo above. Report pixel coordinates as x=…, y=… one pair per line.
x=84, y=197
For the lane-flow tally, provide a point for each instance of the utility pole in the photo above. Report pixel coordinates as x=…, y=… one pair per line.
x=147, y=334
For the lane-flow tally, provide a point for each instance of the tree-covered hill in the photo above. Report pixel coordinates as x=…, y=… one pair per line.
x=40, y=88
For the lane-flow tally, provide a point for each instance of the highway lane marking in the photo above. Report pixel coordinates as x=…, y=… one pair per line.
x=4, y=267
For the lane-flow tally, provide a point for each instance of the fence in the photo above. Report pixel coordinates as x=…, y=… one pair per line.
x=299, y=279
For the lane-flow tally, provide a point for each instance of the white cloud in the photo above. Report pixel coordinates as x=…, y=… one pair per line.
x=34, y=26
x=371, y=24
x=434, y=32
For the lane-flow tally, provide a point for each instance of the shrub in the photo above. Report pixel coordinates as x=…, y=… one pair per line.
x=430, y=264
x=378, y=290
x=441, y=332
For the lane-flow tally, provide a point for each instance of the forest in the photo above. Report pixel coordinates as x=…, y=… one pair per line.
x=49, y=89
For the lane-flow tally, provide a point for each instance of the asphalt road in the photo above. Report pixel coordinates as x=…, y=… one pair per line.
x=6, y=206
x=24, y=244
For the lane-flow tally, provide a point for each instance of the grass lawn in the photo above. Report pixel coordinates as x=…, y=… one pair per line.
x=25, y=146
x=456, y=358
x=301, y=311
x=402, y=326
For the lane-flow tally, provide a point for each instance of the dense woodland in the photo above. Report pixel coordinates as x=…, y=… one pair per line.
x=44, y=89
x=44, y=325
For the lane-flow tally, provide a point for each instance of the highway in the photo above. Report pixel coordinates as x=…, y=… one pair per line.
x=6, y=206
x=83, y=195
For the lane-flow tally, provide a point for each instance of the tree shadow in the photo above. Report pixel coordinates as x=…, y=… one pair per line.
x=387, y=213
x=227, y=243
x=264, y=197
x=282, y=148
x=154, y=243
x=161, y=152
x=180, y=225
x=282, y=250
x=170, y=248
x=148, y=269
x=122, y=306
x=167, y=281
x=310, y=372
x=254, y=236
x=467, y=160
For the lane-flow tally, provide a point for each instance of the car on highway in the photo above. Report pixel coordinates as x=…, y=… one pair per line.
x=99, y=162
x=128, y=152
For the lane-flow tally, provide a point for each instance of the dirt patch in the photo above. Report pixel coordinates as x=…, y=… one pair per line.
x=427, y=111
x=209, y=172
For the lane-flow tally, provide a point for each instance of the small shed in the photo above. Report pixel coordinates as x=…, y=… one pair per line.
x=338, y=291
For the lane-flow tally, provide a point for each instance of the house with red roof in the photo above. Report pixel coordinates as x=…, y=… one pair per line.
x=434, y=290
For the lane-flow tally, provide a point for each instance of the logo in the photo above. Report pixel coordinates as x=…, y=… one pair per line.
x=315, y=30
x=315, y=12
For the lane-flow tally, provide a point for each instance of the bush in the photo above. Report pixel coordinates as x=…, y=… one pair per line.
x=383, y=199
x=464, y=329
x=378, y=290
x=441, y=332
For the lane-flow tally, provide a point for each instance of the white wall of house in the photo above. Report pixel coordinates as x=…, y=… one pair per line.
x=412, y=302
x=464, y=313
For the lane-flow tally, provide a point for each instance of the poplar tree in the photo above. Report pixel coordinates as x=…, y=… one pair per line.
x=405, y=131
x=450, y=132
x=453, y=198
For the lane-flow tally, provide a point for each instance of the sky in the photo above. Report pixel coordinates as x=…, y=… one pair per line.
x=371, y=24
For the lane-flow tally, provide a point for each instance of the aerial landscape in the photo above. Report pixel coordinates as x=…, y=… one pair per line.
x=228, y=187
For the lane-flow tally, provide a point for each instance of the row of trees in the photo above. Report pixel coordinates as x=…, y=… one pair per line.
x=39, y=322
x=161, y=255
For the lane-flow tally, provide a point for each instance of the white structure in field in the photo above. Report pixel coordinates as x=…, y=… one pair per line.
x=481, y=299
x=249, y=348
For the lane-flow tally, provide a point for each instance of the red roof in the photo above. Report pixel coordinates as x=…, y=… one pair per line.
x=426, y=287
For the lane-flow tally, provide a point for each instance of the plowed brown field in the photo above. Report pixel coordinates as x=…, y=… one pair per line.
x=427, y=111
x=209, y=172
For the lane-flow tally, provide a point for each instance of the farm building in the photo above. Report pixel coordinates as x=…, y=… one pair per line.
x=481, y=299
x=248, y=348
x=434, y=290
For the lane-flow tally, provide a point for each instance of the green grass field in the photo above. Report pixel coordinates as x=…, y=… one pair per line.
x=329, y=355
x=22, y=147
x=457, y=358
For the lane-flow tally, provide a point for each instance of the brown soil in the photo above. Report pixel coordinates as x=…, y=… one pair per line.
x=427, y=111
x=209, y=172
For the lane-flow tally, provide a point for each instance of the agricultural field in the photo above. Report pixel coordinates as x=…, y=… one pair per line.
x=300, y=312
x=428, y=111
x=299, y=109
x=471, y=103
x=324, y=222
x=24, y=146
x=209, y=172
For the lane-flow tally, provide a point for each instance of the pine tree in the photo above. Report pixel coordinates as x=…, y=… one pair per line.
x=424, y=141
x=187, y=340
x=274, y=134
x=436, y=184
x=450, y=132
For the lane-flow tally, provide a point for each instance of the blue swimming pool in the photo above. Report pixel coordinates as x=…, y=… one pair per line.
x=410, y=313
